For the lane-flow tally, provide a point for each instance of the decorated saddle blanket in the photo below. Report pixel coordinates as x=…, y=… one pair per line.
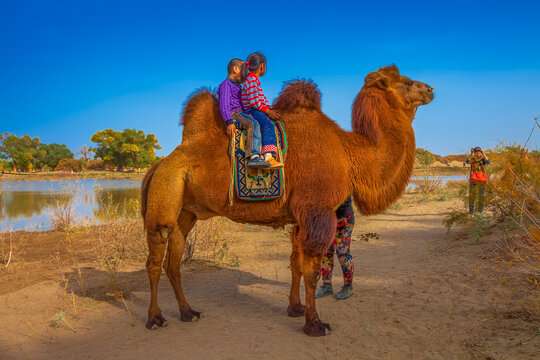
x=256, y=184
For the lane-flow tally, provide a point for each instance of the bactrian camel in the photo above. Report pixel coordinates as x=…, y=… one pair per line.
x=324, y=165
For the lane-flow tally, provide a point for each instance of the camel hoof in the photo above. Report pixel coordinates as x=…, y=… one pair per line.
x=156, y=322
x=190, y=316
x=296, y=310
x=317, y=328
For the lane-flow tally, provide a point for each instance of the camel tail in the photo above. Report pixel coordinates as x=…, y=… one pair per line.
x=145, y=186
x=321, y=229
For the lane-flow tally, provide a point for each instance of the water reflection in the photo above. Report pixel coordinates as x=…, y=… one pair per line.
x=112, y=203
x=17, y=204
x=27, y=204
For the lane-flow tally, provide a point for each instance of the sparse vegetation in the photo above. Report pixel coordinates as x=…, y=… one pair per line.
x=63, y=216
x=512, y=206
x=120, y=235
x=206, y=239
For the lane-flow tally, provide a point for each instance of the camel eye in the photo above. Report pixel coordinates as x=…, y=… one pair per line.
x=409, y=84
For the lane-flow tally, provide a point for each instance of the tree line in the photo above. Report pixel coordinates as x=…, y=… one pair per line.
x=112, y=149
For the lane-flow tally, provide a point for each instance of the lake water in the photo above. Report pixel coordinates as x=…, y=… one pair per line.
x=28, y=204
x=444, y=178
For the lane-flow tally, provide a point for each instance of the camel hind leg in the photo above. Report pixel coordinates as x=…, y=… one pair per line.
x=296, y=308
x=316, y=229
x=171, y=265
x=163, y=191
x=156, y=253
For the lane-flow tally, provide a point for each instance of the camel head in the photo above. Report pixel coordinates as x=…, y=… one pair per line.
x=384, y=92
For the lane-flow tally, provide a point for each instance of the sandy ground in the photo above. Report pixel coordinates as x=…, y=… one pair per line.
x=420, y=294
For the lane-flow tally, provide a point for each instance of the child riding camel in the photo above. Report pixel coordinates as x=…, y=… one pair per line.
x=255, y=104
x=230, y=106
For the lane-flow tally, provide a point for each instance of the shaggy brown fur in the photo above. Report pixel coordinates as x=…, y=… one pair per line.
x=324, y=165
x=298, y=94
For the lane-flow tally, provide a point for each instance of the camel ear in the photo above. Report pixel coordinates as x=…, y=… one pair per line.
x=365, y=119
x=376, y=79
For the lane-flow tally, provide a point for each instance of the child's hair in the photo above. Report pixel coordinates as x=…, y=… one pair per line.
x=244, y=72
x=255, y=60
x=233, y=63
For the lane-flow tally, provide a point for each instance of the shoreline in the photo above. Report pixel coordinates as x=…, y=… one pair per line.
x=440, y=171
x=62, y=175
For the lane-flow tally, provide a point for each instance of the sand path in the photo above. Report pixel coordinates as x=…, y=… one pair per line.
x=419, y=295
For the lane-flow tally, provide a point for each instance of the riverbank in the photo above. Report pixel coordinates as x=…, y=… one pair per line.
x=419, y=293
x=62, y=175
x=440, y=171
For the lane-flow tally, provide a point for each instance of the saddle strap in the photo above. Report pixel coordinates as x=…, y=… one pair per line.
x=233, y=169
x=248, y=126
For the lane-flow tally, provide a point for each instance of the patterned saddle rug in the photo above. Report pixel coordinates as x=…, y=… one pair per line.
x=256, y=184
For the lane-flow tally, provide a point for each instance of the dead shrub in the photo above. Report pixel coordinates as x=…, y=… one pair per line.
x=69, y=165
x=428, y=185
x=96, y=164
x=8, y=246
x=63, y=216
x=207, y=240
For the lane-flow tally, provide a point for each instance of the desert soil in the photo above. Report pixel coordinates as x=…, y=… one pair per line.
x=419, y=294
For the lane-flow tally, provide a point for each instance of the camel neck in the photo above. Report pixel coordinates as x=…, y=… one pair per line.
x=380, y=171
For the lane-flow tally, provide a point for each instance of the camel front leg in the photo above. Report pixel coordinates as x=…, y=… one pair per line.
x=171, y=265
x=296, y=308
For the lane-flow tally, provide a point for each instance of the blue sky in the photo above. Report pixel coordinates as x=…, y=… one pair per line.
x=71, y=68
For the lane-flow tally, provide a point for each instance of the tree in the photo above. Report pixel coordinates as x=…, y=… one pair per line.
x=24, y=152
x=425, y=157
x=128, y=148
x=5, y=165
x=85, y=152
x=53, y=154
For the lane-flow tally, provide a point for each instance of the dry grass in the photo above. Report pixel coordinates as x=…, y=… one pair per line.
x=206, y=241
x=9, y=245
x=120, y=236
x=428, y=185
x=63, y=216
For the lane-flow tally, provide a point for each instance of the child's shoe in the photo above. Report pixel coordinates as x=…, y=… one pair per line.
x=325, y=290
x=345, y=292
x=274, y=164
x=257, y=162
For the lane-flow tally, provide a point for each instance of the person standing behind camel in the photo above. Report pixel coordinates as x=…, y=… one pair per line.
x=477, y=179
x=255, y=104
x=229, y=94
x=342, y=246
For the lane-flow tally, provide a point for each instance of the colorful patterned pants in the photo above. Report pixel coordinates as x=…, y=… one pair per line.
x=342, y=247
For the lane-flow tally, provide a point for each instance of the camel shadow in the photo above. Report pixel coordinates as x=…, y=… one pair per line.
x=204, y=283
x=405, y=215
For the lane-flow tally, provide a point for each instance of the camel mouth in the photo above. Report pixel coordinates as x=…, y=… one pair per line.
x=428, y=98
